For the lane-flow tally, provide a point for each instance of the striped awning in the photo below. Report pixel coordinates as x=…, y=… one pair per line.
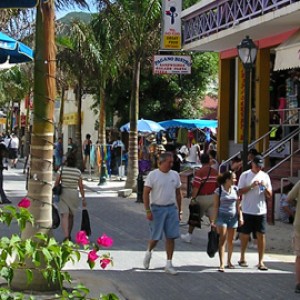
x=288, y=53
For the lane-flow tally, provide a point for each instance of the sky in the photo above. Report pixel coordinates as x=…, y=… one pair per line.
x=61, y=13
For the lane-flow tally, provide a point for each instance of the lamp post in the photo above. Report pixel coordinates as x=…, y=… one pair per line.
x=247, y=51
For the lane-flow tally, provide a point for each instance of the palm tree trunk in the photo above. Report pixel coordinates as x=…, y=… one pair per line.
x=132, y=173
x=78, y=139
x=102, y=118
x=40, y=181
x=61, y=112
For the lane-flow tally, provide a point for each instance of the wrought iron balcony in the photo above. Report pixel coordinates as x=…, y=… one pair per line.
x=224, y=14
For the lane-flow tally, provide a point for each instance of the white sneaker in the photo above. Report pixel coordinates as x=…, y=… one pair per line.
x=171, y=270
x=187, y=238
x=147, y=259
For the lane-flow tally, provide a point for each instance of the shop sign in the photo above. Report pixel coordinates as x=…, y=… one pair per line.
x=71, y=119
x=241, y=104
x=172, y=64
x=171, y=24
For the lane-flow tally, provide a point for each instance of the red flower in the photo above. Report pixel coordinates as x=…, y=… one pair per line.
x=105, y=241
x=81, y=238
x=104, y=262
x=92, y=256
x=25, y=203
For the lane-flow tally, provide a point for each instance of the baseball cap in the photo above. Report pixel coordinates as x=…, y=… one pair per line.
x=258, y=160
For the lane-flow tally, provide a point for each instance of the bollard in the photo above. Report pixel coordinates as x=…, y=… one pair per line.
x=140, y=188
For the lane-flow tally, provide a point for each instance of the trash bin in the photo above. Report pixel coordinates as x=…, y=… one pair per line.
x=140, y=188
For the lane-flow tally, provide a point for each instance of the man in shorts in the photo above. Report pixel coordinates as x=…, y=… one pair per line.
x=294, y=194
x=204, y=185
x=162, y=202
x=255, y=187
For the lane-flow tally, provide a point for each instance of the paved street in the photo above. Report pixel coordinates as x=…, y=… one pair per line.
x=124, y=220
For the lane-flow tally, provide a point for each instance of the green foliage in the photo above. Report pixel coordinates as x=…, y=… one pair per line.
x=40, y=252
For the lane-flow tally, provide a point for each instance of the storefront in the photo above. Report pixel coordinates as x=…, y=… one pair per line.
x=220, y=27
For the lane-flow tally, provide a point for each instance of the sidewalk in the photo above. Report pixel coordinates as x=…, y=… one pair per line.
x=124, y=220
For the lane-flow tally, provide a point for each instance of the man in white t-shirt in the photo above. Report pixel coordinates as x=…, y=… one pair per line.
x=162, y=202
x=255, y=188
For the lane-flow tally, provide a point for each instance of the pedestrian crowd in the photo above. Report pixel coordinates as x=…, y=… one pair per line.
x=231, y=205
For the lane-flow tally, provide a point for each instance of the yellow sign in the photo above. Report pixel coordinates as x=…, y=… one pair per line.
x=172, y=42
x=71, y=119
x=2, y=121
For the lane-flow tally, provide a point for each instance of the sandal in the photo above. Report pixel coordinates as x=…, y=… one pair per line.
x=262, y=268
x=221, y=269
x=230, y=266
x=243, y=264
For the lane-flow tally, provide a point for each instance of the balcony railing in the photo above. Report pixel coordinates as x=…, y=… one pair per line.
x=223, y=14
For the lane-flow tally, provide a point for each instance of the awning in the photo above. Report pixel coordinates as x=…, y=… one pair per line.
x=288, y=53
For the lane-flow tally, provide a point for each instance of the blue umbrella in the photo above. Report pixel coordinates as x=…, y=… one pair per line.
x=13, y=51
x=144, y=126
x=18, y=3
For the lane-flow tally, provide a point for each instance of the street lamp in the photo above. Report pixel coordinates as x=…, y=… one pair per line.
x=247, y=51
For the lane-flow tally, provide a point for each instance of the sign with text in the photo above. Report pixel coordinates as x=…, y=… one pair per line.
x=171, y=24
x=172, y=64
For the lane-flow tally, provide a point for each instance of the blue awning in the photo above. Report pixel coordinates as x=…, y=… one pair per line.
x=189, y=123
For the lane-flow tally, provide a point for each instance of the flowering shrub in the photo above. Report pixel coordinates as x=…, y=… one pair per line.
x=45, y=253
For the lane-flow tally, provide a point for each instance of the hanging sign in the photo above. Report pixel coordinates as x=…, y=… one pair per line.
x=18, y=3
x=172, y=64
x=171, y=24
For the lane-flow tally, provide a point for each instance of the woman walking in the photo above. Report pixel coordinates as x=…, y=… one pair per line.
x=70, y=178
x=226, y=215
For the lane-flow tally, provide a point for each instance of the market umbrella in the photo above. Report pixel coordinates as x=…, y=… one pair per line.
x=144, y=126
x=13, y=51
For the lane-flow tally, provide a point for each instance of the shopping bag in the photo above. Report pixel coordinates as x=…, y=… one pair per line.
x=85, y=222
x=213, y=242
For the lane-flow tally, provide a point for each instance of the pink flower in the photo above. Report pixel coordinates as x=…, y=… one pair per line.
x=105, y=241
x=92, y=256
x=81, y=238
x=104, y=262
x=25, y=203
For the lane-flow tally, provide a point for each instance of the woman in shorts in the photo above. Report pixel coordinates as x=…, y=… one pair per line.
x=226, y=215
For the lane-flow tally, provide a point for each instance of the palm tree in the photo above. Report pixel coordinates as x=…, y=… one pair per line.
x=139, y=20
x=40, y=181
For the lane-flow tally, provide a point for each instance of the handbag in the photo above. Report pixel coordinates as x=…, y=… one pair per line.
x=55, y=217
x=213, y=243
x=195, y=209
x=85, y=222
x=195, y=215
x=57, y=189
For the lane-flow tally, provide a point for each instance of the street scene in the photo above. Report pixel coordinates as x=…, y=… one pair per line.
x=149, y=149
x=124, y=220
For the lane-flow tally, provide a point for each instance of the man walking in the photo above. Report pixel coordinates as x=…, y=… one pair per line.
x=162, y=202
x=255, y=187
x=204, y=185
x=293, y=195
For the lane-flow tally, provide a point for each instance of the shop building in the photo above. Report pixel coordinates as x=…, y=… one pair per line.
x=219, y=26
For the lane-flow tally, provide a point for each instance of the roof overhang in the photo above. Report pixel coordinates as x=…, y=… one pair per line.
x=273, y=23
x=288, y=53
